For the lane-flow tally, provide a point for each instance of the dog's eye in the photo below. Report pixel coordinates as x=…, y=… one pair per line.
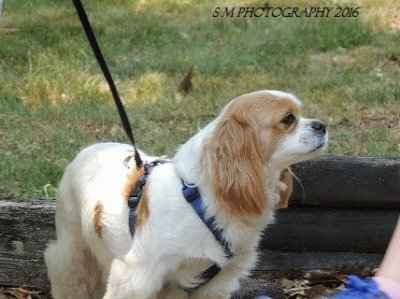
x=289, y=119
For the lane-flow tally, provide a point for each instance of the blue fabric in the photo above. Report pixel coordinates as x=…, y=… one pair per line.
x=133, y=202
x=206, y=276
x=192, y=195
x=134, y=199
x=361, y=289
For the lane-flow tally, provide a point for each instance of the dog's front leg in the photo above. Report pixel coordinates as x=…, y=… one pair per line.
x=129, y=280
x=172, y=291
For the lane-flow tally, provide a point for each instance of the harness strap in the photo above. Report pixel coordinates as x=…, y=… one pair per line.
x=134, y=199
x=193, y=197
x=206, y=276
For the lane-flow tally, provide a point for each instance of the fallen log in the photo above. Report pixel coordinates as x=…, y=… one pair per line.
x=331, y=230
x=273, y=260
x=25, y=229
x=345, y=181
x=300, y=239
x=346, y=216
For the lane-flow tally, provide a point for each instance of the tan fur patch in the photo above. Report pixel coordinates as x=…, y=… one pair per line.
x=143, y=210
x=241, y=146
x=98, y=217
x=133, y=181
x=287, y=179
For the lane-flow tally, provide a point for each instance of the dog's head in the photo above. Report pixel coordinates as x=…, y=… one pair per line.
x=257, y=136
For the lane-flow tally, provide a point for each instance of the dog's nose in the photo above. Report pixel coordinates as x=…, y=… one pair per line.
x=318, y=126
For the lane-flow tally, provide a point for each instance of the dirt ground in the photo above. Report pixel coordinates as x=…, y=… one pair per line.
x=296, y=284
x=302, y=284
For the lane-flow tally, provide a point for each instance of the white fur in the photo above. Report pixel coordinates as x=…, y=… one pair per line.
x=174, y=246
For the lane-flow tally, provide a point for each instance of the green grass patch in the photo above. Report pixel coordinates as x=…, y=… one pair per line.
x=54, y=100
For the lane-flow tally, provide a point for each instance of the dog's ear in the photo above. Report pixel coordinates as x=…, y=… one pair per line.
x=287, y=179
x=235, y=168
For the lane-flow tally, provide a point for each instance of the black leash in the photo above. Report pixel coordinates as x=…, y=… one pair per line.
x=106, y=72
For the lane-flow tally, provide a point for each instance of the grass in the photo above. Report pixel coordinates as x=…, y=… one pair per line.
x=54, y=101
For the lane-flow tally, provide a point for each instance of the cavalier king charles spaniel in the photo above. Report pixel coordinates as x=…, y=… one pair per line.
x=239, y=165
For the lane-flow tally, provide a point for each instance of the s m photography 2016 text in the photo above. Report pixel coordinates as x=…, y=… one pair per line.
x=288, y=12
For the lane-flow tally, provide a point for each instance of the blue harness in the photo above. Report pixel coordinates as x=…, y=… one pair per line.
x=193, y=197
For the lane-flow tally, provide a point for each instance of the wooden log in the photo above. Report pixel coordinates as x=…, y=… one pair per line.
x=348, y=182
x=272, y=260
x=25, y=229
x=331, y=230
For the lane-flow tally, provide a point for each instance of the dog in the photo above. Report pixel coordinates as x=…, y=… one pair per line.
x=238, y=164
